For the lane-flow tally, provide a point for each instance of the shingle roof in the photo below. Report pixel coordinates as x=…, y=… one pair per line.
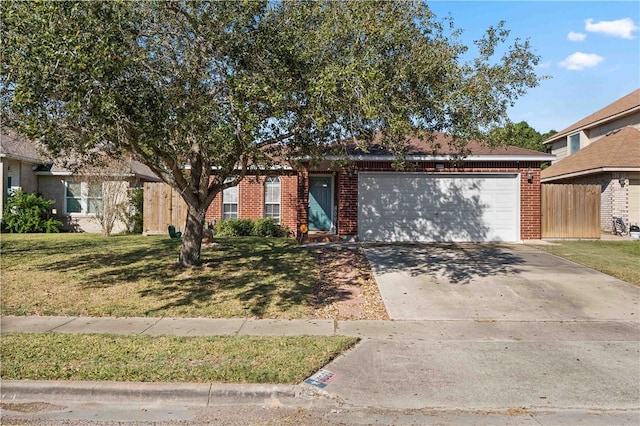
x=442, y=144
x=623, y=105
x=619, y=149
x=12, y=145
x=15, y=146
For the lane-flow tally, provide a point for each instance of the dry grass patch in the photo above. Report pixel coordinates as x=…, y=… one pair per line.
x=90, y=275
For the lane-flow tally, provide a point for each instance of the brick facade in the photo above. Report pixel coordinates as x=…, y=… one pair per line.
x=251, y=200
x=530, y=208
x=295, y=193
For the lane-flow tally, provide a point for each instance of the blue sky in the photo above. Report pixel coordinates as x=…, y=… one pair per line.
x=591, y=49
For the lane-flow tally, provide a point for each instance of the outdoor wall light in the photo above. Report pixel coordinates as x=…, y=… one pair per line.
x=622, y=181
x=529, y=176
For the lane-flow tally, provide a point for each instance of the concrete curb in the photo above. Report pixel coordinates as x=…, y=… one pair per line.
x=198, y=394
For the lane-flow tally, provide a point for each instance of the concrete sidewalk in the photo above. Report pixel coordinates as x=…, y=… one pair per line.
x=430, y=330
x=493, y=367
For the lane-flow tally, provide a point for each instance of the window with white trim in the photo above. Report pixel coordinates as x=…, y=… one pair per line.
x=574, y=143
x=230, y=203
x=83, y=198
x=272, y=197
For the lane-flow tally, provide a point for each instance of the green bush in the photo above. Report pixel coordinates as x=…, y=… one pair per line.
x=234, y=228
x=268, y=227
x=28, y=213
x=135, y=207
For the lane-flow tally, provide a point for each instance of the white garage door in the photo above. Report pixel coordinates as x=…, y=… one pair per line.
x=438, y=207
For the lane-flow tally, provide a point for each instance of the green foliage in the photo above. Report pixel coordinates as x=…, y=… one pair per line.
x=268, y=227
x=234, y=228
x=134, y=215
x=521, y=135
x=27, y=213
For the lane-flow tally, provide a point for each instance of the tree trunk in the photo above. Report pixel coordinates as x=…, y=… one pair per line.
x=192, y=238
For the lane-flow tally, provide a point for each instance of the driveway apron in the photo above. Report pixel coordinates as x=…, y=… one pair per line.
x=494, y=327
x=494, y=282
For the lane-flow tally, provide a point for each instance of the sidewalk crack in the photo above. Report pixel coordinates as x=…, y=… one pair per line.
x=151, y=326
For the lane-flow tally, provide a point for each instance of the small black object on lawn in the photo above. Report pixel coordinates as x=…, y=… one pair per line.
x=173, y=233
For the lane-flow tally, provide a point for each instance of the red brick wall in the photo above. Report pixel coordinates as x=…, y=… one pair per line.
x=530, y=208
x=251, y=200
x=347, y=189
x=303, y=199
x=295, y=194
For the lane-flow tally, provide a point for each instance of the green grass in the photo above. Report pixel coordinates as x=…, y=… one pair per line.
x=620, y=259
x=228, y=359
x=84, y=274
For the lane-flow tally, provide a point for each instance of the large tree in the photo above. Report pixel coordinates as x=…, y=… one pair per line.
x=521, y=134
x=204, y=92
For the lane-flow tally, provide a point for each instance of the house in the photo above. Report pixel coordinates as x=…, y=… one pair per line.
x=603, y=149
x=77, y=196
x=484, y=195
x=18, y=160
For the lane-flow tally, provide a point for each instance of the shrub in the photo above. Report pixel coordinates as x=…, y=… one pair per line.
x=131, y=212
x=26, y=213
x=234, y=228
x=268, y=227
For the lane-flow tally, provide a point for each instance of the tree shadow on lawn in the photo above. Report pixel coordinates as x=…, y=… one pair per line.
x=259, y=277
x=459, y=264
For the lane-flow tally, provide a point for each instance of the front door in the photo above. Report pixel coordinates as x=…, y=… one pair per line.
x=320, y=203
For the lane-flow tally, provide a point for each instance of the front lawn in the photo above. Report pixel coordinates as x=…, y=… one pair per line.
x=227, y=359
x=133, y=275
x=620, y=259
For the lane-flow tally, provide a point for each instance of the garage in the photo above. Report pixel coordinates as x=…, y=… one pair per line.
x=438, y=207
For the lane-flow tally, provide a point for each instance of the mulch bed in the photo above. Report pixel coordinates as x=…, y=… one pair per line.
x=346, y=287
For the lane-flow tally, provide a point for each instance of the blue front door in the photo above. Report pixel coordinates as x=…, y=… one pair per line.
x=320, y=201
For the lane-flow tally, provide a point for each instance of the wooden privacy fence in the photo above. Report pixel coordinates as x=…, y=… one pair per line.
x=163, y=206
x=570, y=211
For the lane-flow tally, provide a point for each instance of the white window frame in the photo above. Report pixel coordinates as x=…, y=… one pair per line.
x=227, y=193
x=84, y=198
x=570, y=141
x=273, y=182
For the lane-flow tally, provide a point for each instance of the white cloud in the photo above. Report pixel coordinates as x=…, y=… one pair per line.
x=579, y=61
x=623, y=28
x=576, y=36
x=544, y=65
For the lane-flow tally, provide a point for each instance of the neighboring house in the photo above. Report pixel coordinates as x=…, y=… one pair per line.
x=77, y=197
x=18, y=160
x=603, y=149
x=485, y=195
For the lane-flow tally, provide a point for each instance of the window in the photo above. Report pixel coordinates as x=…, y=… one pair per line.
x=272, y=197
x=83, y=197
x=230, y=203
x=574, y=143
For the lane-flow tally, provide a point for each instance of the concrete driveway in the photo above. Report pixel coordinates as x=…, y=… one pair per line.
x=495, y=282
x=496, y=328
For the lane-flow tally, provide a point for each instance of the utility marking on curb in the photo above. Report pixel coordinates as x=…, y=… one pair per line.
x=321, y=379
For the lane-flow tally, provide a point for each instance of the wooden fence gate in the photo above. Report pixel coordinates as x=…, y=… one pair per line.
x=570, y=211
x=163, y=206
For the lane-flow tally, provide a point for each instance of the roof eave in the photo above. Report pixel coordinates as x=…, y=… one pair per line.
x=590, y=172
x=566, y=133
x=21, y=158
x=471, y=158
